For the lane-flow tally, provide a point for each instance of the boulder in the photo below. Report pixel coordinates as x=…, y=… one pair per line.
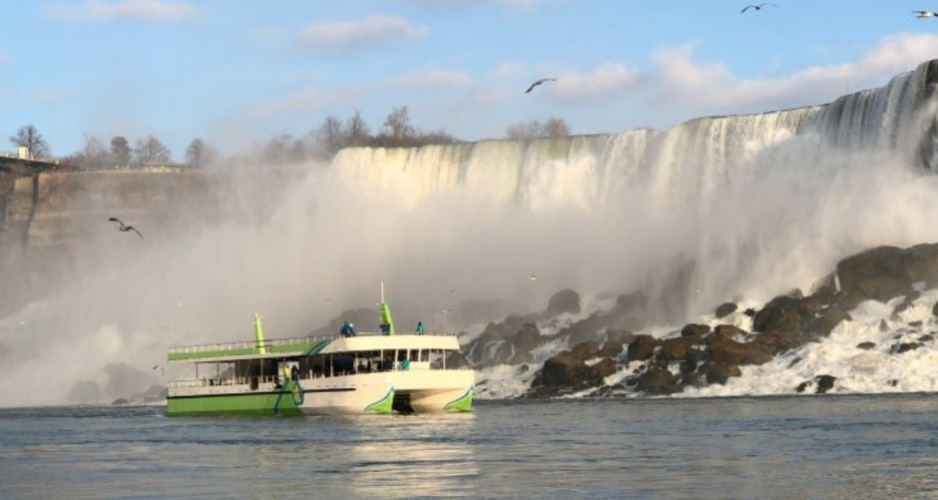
x=781, y=314
x=525, y=341
x=904, y=347
x=720, y=373
x=601, y=370
x=622, y=336
x=564, y=301
x=725, y=309
x=727, y=351
x=562, y=370
x=676, y=349
x=778, y=342
x=642, y=348
x=934, y=309
x=824, y=383
x=694, y=330
x=585, y=350
x=658, y=381
x=612, y=349
x=728, y=331
x=866, y=346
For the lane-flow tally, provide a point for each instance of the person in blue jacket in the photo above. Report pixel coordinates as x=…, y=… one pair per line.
x=347, y=330
x=420, y=328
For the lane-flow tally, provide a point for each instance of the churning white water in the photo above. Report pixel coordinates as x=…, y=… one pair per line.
x=759, y=204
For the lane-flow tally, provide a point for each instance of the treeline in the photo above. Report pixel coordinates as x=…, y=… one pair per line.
x=319, y=144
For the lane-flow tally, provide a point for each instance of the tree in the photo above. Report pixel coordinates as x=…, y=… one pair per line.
x=356, y=130
x=554, y=127
x=28, y=136
x=330, y=136
x=151, y=150
x=199, y=154
x=284, y=148
x=120, y=151
x=398, y=124
x=92, y=156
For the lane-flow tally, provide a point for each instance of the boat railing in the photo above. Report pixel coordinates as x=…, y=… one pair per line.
x=251, y=344
x=303, y=376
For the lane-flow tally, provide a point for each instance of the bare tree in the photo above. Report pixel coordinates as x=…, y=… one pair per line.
x=120, y=151
x=151, y=150
x=356, y=130
x=93, y=156
x=399, y=127
x=331, y=135
x=285, y=148
x=199, y=154
x=554, y=127
x=28, y=136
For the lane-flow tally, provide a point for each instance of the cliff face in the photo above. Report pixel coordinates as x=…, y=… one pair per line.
x=53, y=224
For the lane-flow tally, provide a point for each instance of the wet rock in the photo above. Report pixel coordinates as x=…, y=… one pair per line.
x=658, y=381
x=676, y=349
x=777, y=342
x=564, y=301
x=622, y=336
x=780, y=314
x=585, y=350
x=612, y=349
x=727, y=351
x=926, y=338
x=904, y=347
x=729, y=331
x=751, y=312
x=694, y=330
x=866, y=346
x=120, y=401
x=883, y=326
x=794, y=362
x=525, y=341
x=725, y=309
x=915, y=324
x=642, y=348
x=899, y=309
x=563, y=370
x=824, y=383
x=603, y=369
x=720, y=373
x=934, y=309
x=802, y=386
x=881, y=273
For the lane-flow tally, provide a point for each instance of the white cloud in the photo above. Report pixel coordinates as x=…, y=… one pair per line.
x=431, y=79
x=123, y=10
x=603, y=82
x=682, y=81
x=373, y=30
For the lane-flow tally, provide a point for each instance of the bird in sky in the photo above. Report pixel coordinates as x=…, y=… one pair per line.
x=124, y=227
x=924, y=13
x=535, y=84
x=757, y=6
x=532, y=277
x=162, y=372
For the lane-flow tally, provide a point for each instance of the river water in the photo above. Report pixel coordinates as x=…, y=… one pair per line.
x=787, y=447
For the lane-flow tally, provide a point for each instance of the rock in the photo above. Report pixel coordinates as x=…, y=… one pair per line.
x=729, y=331
x=456, y=360
x=720, y=373
x=934, y=309
x=751, y=312
x=694, y=330
x=657, y=381
x=794, y=362
x=585, y=350
x=778, y=341
x=866, y=346
x=915, y=324
x=602, y=370
x=904, y=347
x=825, y=324
x=883, y=326
x=525, y=341
x=564, y=301
x=881, y=273
x=561, y=371
x=120, y=401
x=824, y=383
x=926, y=338
x=727, y=351
x=780, y=314
x=523, y=369
x=612, y=349
x=802, y=386
x=899, y=309
x=676, y=349
x=641, y=348
x=725, y=310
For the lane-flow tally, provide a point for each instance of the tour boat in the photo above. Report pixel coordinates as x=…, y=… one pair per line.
x=354, y=373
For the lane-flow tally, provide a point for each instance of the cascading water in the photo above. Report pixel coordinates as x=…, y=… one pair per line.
x=753, y=205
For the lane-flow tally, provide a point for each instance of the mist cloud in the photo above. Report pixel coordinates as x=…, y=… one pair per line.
x=372, y=31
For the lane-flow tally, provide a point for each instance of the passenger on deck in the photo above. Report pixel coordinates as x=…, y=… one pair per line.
x=295, y=372
x=347, y=330
x=420, y=328
x=385, y=329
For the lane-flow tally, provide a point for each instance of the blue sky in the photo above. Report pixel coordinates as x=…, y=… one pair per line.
x=237, y=72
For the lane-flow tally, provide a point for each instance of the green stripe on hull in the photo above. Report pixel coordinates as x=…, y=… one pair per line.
x=256, y=404
x=383, y=405
x=461, y=404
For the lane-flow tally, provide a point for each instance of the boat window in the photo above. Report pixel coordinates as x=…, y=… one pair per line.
x=424, y=355
x=414, y=355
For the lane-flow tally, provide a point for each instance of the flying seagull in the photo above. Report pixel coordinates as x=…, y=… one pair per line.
x=925, y=13
x=124, y=227
x=535, y=84
x=533, y=277
x=757, y=7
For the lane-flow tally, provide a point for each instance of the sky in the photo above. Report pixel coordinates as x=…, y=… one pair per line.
x=238, y=72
